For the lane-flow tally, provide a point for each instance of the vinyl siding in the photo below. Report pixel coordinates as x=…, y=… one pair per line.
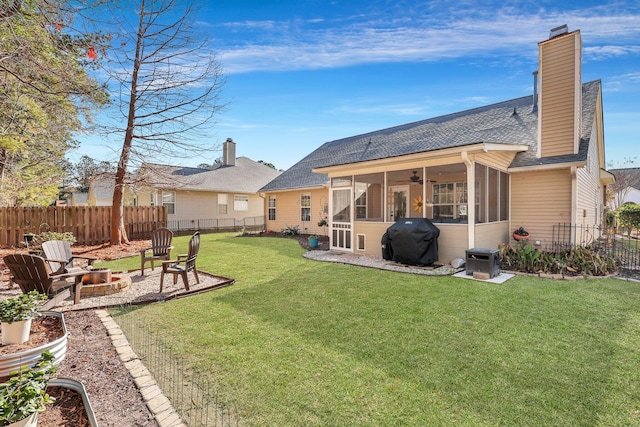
x=558, y=74
x=539, y=200
x=492, y=235
x=452, y=242
x=496, y=160
x=288, y=211
x=204, y=205
x=590, y=191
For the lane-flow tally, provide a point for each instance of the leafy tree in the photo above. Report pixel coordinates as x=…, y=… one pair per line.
x=85, y=170
x=271, y=165
x=629, y=217
x=168, y=81
x=46, y=96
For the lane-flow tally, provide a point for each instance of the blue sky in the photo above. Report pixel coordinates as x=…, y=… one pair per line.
x=301, y=73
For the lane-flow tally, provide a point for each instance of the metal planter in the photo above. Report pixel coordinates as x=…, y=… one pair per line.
x=78, y=387
x=13, y=362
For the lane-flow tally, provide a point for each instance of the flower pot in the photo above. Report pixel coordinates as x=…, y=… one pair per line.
x=518, y=237
x=313, y=242
x=16, y=332
x=30, y=421
x=12, y=362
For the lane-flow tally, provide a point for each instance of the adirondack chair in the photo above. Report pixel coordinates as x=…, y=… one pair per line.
x=58, y=254
x=184, y=264
x=160, y=249
x=30, y=272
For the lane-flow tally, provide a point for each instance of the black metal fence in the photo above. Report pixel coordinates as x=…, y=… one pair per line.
x=142, y=230
x=623, y=246
x=255, y=223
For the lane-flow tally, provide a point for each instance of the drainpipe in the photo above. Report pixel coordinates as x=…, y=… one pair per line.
x=574, y=199
x=471, y=197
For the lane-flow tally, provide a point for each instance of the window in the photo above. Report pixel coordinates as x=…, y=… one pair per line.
x=450, y=201
x=153, y=197
x=369, y=197
x=240, y=202
x=492, y=195
x=169, y=201
x=361, y=201
x=305, y=207
x=222, y=204
x=272, y=208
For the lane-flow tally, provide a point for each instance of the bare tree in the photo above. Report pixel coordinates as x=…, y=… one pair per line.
x=627, y=177
x=168, y=84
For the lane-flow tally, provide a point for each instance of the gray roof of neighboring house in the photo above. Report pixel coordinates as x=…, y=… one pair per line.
x=247, y=176
x=627, y=176
x=496, y=124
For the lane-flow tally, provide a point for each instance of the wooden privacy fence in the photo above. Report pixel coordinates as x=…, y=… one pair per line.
x=90, y=225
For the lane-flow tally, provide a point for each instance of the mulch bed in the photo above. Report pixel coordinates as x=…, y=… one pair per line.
x=92, y=360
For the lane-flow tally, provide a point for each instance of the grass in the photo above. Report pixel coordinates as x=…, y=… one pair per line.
x=297, y=342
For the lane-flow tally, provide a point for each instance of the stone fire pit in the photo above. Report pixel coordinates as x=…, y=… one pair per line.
x=100, y=282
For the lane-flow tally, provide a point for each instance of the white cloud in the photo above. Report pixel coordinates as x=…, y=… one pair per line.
x=296, y=46
x=599, y=53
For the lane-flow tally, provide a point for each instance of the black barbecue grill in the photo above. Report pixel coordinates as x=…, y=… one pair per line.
x=412, y=241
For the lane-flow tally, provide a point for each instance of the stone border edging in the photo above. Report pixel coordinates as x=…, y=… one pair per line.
x=156, y=401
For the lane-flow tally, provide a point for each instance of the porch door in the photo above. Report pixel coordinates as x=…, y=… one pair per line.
x=341, y=226
x=398, y=202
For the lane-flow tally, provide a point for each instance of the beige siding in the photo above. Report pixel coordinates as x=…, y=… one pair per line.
x=558, y=74
x=492, y=235
x=496, y=160
x=288, y=211
x=590, y=201
x=539, y=200
x=204, y=205
x=452, y=242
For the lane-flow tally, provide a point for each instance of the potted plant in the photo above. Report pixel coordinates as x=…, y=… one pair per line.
x=313, y=241
x=520, y=234
x=25, y=394
x=16, y=314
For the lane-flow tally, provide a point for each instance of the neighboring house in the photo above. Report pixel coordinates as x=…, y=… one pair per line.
x=101, y=192
x=626, y=189
x=227, y=191
x=479, y=174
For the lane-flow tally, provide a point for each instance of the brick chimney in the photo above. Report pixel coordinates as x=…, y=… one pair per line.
x=560, y=96
x=229, y=153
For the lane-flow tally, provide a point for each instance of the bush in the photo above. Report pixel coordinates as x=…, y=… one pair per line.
x=579, y=260
x=291, y=230
x=629, y=217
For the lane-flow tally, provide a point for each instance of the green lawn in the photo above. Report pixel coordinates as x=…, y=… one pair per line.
x=302, y=343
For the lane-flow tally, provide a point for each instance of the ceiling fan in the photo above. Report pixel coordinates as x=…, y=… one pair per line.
x=415, y=179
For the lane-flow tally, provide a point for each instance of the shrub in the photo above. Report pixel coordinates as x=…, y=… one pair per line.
x=291, y=230
x=52, y=235
x=629, y=217
x=579, y=260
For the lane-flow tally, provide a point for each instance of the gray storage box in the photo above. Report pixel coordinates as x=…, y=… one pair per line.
x=483, y=261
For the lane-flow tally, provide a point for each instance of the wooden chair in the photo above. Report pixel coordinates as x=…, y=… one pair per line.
x=160, y=248
x=61, y=260
x=31, y=274
x=184, y=264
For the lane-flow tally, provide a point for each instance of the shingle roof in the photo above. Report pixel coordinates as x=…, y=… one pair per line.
x=627, y=176
x=247, y=176
x=494, y=123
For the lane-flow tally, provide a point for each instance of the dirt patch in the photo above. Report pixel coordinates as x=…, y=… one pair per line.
x=92, y=359
x=67, y=410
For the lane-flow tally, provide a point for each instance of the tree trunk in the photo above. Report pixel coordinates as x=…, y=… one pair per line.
x=118, y=231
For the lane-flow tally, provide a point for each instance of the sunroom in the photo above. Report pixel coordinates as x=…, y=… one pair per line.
x=468, y=200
